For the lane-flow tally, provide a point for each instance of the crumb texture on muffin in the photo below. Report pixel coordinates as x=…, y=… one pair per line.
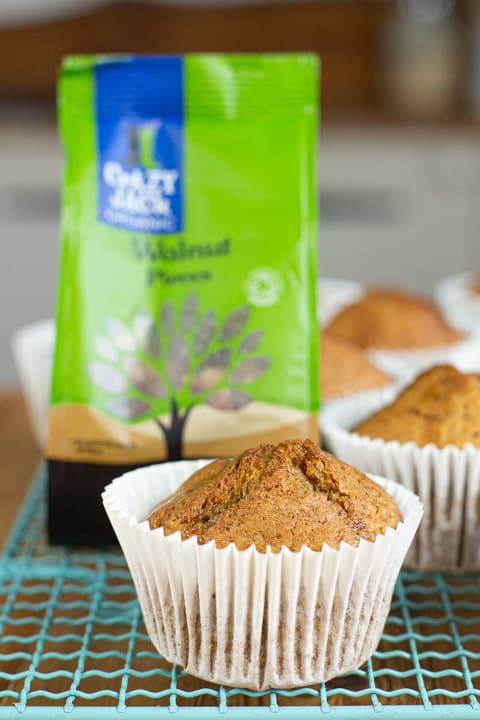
x=442, y=406
x=346, y=369
x=393, y=319
x=290, y=494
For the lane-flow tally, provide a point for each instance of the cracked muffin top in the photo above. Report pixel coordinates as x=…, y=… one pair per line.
x=392, y=319
x=442, y=406
x=290, y=494
x=345, y=369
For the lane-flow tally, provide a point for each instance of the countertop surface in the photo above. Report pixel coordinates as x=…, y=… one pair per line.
x=19, y=456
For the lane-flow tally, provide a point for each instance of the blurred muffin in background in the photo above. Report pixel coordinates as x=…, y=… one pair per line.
x=475, y=287
x=394, y=319
x=345, y=369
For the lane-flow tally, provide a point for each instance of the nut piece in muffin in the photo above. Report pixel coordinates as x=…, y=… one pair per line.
x=290, y=494
x=442, y=406
x=346, y=369
x=391, y=319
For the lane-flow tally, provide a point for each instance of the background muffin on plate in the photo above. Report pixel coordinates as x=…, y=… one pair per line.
x=346, y=369
x=475, y=286
x=394, y=319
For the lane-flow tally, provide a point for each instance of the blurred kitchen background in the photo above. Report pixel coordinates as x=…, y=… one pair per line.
x=400, y=143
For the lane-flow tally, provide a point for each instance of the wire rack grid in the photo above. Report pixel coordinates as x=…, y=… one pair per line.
x=73, y=642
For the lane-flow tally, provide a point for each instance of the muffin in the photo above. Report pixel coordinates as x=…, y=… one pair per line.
x=276, y=613
x=273, y=496
x=441, y=407
x=427, y=439
x=393, y=319
x=346, y=369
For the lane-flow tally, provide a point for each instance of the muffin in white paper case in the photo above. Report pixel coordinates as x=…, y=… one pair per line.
x=447, y=480
x=459, y=302
x=252, y=619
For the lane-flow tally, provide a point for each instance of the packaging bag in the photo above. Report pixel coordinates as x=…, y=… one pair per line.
x=186, y=317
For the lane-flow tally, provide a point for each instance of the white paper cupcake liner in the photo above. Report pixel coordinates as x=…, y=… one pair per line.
x=447, y=480
x=251, y=619
x=360, y=398
x=334, y=294
x=404, y=365
x=33, y=347
x=459, y=304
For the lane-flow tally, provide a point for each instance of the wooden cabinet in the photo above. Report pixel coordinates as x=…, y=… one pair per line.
x=345, y=34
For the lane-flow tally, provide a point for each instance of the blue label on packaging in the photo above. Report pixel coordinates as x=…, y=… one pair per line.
x=140, y=121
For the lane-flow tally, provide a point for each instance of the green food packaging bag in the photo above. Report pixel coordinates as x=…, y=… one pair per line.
x=186, y=319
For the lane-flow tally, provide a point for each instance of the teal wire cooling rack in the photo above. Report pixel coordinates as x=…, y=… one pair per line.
x=72, y=642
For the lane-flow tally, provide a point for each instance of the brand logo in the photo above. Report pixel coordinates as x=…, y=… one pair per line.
x=139, y=104
x=141, y=188
x=263, y=286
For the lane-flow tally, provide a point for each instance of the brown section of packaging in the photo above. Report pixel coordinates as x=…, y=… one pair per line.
x=97, y=449
x=93, y=437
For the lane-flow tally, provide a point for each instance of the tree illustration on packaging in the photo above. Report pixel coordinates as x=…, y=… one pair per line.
x=188, y=360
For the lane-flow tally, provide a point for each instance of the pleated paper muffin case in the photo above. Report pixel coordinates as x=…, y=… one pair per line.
x=251, y=619
x=405, y=365
x=447, y=480
x=359, y=398
x=459, y=303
